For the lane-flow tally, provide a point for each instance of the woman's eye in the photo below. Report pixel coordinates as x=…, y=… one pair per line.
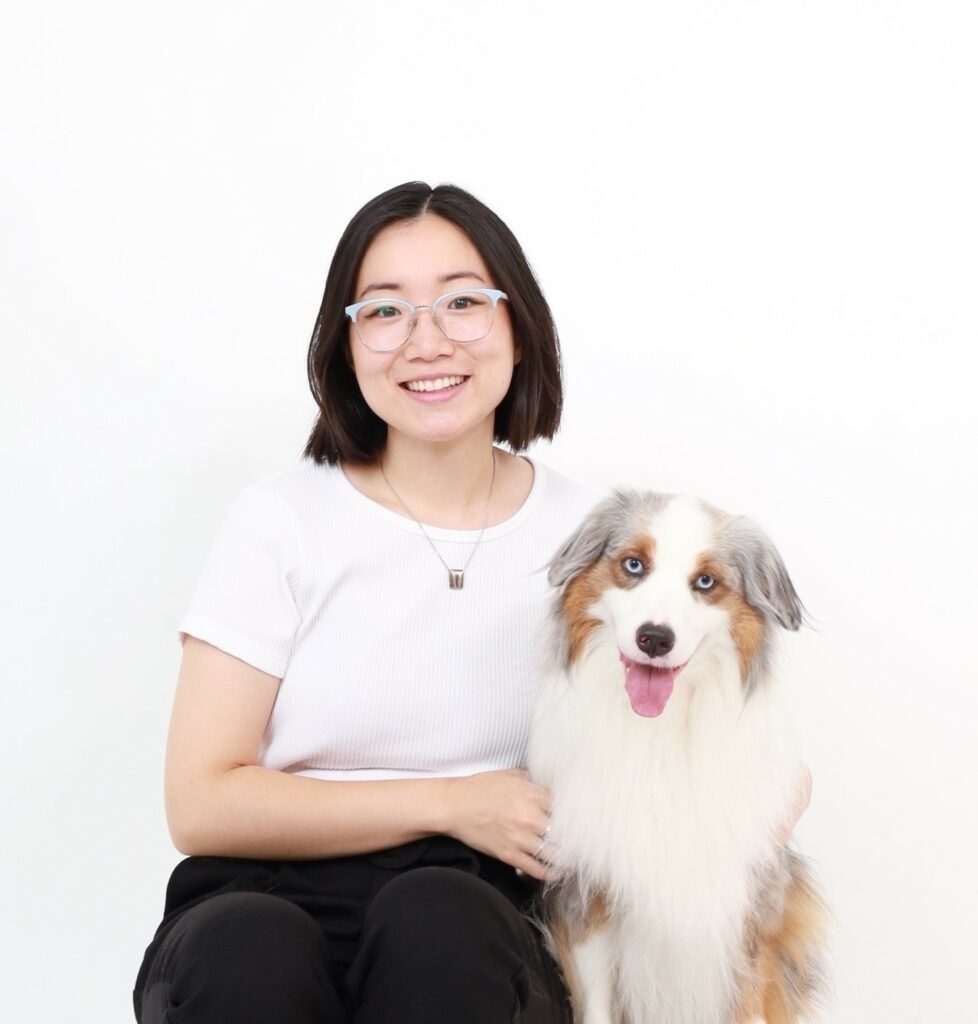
x=463, y=302
x=384, y=312
x=705, y=582
x=633, y=566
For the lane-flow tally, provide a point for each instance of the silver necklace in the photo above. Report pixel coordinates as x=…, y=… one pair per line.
x=456, y=577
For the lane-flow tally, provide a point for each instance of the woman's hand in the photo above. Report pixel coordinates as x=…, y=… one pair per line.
x=502, y=814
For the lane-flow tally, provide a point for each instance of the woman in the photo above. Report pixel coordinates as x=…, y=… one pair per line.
x=344, y=755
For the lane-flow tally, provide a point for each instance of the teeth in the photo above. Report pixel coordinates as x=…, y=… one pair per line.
x=433, y=385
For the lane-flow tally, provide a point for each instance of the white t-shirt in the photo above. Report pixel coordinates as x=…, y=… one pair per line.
x=386, y=672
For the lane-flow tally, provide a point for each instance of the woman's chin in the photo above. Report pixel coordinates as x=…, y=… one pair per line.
x=442, y=429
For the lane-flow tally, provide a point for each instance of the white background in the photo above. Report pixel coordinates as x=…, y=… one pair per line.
x=756, y=223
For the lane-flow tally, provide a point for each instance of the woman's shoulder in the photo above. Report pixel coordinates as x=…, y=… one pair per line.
x=302, y=486
x=571, y=490
x=566, y=498
x=290, y=502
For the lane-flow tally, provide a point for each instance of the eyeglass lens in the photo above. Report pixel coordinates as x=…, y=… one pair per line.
x=462, y=316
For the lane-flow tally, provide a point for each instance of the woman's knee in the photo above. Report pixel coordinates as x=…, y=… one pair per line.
x=441, y=918
x=444, y=940
x=440, y=900
x=242, y=924
x=241, y=954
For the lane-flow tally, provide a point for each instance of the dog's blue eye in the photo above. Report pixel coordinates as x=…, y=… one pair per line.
x=633, y=566
x=705, y=582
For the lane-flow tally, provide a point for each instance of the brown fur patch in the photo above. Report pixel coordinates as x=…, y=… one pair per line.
x=567, y=928
x=580, y=595
x=746, y=624
x=561, y=946
x=746, y=628
x=588, y=586
x=784, y=953
x=596, y=916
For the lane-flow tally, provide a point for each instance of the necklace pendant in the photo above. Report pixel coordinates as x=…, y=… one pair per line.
x=456, y=579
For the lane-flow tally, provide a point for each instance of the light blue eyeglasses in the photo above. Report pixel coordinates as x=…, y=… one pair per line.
x=386, y=324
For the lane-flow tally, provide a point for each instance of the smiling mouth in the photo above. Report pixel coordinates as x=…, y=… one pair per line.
x=439, y=384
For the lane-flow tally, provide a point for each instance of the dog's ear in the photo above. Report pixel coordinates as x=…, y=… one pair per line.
x=587, y=544
x=767, y=585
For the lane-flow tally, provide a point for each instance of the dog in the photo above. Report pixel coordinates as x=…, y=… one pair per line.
x=659, y=731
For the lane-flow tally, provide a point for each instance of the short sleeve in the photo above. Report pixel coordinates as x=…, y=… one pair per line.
x=245, y=602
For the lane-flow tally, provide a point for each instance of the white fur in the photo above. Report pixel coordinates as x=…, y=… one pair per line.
x=667, y=816
x=592, y=959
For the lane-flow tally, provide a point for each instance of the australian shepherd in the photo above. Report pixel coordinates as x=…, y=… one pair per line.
x=659, y=731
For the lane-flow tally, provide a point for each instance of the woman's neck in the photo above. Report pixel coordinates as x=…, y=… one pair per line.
x=445, y=483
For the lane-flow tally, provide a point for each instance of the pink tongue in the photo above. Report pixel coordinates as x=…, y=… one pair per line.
x=648, y=688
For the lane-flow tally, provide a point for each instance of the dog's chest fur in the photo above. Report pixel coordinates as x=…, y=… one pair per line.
x=669, y=819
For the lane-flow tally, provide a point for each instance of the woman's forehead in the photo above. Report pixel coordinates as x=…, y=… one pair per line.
x=421, y=253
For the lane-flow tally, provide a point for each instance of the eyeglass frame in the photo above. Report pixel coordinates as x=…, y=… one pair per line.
x=492, y=293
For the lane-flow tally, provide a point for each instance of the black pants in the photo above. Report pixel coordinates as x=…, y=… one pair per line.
x=432, y=931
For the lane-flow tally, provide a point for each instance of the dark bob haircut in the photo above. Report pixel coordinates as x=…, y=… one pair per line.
x=346, y=428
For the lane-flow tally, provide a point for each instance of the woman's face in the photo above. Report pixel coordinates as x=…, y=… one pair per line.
x=419, y=260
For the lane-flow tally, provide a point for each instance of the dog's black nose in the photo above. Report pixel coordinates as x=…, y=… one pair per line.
x=655, y=640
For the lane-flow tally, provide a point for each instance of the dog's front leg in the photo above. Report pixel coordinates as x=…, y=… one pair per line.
x=595, y=968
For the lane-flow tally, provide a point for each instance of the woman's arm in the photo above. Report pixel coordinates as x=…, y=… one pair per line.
x=219, y=801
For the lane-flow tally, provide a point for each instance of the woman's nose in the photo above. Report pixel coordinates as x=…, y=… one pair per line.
x=427, y=340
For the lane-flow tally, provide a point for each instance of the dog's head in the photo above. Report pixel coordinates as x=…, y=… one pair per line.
x=664, y=576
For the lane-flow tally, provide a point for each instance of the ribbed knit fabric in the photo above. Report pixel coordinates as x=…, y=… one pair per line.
x=386, y=672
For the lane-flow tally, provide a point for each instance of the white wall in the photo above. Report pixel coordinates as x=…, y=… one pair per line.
x=756, y=223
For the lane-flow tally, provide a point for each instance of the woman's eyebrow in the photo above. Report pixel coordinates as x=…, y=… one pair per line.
x=459, y=274
x=379, y=286
x=393, y=286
